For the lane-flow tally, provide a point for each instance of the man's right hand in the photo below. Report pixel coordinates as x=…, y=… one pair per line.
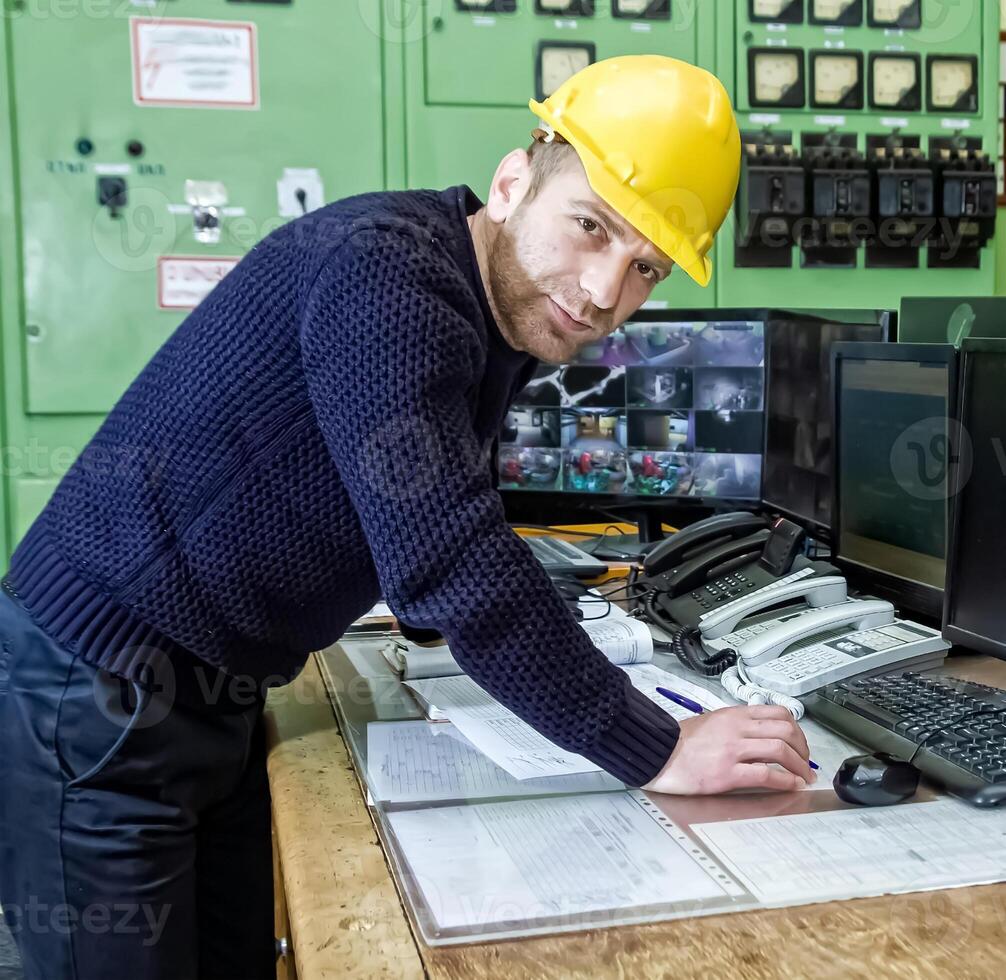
x=731, y=748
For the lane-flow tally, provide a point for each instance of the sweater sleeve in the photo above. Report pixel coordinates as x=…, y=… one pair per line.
x=392, y=355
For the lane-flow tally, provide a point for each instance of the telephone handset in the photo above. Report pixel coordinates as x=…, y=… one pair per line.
x=710, y=563
x=855, y=614
x=703, y=535
x=718, y=575
x=816, y=590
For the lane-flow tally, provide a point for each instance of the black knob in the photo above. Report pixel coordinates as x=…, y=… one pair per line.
x=134, y=148
x=84, y=147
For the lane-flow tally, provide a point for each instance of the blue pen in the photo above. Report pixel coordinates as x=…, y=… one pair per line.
x=697, y=709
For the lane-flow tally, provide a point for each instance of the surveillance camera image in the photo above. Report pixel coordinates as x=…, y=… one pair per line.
x=660, y=344
x=592, y=387
x=727, y=475
x=660, y=430
x=531, y=427
x=670, y=408
x=529, y=469
x=657, y=474
x=729, y=389
x=595, y=458
x=659, y=387
x=730, y=344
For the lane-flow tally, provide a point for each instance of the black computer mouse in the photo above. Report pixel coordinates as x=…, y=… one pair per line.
x=875, y=780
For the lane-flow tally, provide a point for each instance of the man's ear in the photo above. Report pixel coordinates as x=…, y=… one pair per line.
x=509, y=185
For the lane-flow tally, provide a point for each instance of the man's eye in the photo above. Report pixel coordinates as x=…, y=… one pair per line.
x=646, y=270
x=588, y=225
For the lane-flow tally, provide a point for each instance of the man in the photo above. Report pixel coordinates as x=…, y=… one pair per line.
x=315, y=435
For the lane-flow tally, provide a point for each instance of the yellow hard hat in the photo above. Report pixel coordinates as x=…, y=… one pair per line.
x=659, y=143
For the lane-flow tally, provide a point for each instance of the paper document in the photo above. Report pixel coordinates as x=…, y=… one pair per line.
x=496, y=731
x=646, y=678
x=816, y=856
x=513, y=744
x=533, y=859
x=621, y=639
x=411, y=761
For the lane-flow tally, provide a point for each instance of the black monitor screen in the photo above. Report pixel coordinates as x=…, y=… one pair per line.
x=976, y=600
x=797, y=479
x=893, y=440
x=661, y=408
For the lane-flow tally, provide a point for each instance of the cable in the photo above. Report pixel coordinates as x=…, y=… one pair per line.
x=736, y=682
x=684, y=643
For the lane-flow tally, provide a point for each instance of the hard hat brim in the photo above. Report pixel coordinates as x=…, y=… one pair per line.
x=633, y=207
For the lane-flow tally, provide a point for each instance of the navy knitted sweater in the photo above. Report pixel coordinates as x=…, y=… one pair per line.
x=317, y=434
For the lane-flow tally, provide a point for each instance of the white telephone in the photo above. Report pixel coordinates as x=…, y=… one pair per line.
x=821, y=591
x=828, y=637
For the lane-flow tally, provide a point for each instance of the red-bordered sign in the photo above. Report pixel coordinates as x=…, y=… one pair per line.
x=173, y=58
x=184, y=281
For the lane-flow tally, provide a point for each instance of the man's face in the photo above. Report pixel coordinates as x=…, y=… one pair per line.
x=565, y=270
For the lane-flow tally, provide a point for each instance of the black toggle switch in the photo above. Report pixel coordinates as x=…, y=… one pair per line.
x=112, y=194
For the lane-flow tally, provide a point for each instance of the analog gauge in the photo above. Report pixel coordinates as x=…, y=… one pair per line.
x=567, y=8
x=847, y=13
x=953, y=83
x=776, y=77
x=836, y=79
x=895, y=13
x=558, y=61
x=637, y=9
x=777, y=11
x=894, y=82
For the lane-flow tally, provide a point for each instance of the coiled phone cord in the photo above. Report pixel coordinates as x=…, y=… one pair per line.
x=737, y=683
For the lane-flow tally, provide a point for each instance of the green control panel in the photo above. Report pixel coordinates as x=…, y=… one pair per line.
x=148, y=146
x=151, y=146
x=870, y=139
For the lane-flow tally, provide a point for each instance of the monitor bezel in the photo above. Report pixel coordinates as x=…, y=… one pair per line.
x=951, y=632
x=887, y=321
x=916, y=597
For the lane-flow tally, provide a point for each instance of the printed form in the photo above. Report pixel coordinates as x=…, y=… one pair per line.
x=523, y=860
x=412, y=761
x=513, y=744
x=844, y=853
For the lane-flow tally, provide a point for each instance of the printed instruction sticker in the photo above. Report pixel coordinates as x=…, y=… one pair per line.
x=184, y=281
x=207, y=64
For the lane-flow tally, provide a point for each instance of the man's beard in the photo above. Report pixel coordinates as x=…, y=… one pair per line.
x=521, y=303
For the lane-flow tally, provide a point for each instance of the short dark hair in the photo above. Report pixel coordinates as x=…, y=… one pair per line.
x=547, y=159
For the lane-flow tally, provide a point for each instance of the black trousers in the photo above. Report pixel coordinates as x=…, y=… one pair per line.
x=134, y=828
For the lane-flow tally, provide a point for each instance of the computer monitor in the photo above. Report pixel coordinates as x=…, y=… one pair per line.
x=950, y=319
x=975, y=609
x=894, y=409
x=669, y=407
x=797, y=479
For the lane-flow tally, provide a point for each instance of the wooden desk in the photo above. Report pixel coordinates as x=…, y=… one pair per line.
x=346, y=919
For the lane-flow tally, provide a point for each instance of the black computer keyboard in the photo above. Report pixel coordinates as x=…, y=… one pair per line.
x=953, y=731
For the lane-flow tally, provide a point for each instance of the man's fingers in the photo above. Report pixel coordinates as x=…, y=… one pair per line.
x=759, y=776
x=789, y=731
x=769, y=711
x=775, y=750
